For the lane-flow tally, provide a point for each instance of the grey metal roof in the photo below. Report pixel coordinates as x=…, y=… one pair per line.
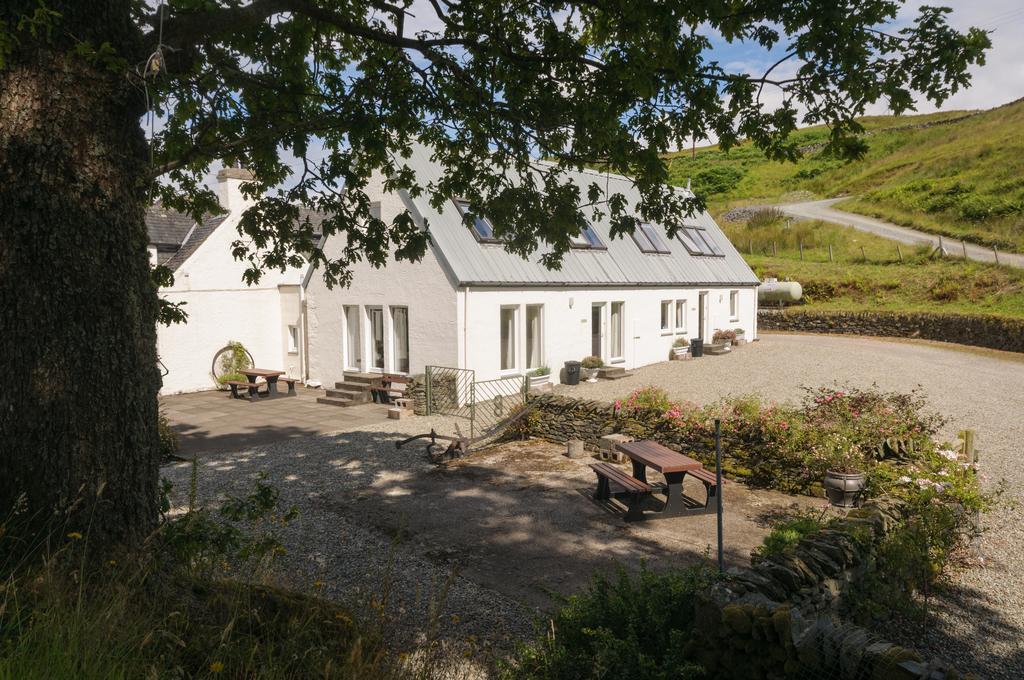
x=475, y=263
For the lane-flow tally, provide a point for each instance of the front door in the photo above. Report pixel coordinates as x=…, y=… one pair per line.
x=353, y=347
x=596, y=331
x=702, y=315
x=376, y=315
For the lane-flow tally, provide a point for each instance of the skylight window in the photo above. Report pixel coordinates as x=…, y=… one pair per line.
x=482, y=227
x=648, y=240
x=587, y=239
x=698, y=241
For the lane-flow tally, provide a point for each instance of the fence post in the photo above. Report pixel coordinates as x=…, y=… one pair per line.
x=801, y=250
x=942, y=249
x=718, y=494
x=830, y=253
x=963, y=243
x=472, y=408
x=996, y=252
x=427, y=392
x=750, y=245
x=775, y=252
x=862, y=254
x=899, y=252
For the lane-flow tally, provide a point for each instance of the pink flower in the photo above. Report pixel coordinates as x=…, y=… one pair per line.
x=784, y=425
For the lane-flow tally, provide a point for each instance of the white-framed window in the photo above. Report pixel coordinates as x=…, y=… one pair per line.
x=534, y=336
x=617, y=326
x=587, y=238
x=666, y=315
x=483, y=230
x=400, y=343
x=734, y=305
x=293, y=339
x=508, y=337
x=680, y=315
x=375, y=319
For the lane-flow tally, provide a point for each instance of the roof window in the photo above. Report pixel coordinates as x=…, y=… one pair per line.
x=648, y=240
x=587, y=239
x=483, y=230
x=698, y=241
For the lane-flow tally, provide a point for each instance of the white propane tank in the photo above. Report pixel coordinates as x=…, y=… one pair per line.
x=775, y=291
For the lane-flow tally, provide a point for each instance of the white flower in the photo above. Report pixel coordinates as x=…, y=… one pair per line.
x=942, y=473
x=948, y=454
x=904, y=480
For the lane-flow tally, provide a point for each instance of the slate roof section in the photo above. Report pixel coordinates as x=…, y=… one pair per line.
x=167, y=227
x=622, y=264
x=195, y=239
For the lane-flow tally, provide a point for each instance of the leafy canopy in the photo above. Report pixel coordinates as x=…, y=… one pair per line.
x=315, y=95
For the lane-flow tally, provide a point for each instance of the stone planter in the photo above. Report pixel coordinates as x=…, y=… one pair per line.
x=739, y=340
x=590, y=374
x=539, y=381
x=681, y=352
x=844, y=489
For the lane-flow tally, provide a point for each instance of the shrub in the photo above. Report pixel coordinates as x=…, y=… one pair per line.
x=717, y=180
x=650, y=397
x=168, y=438
x=787, y=533
x=592, y=362
x=234, y=360
x=681, y=342
x=765, y=217
x=539, y=371
x=723, y=336
x=623, y=627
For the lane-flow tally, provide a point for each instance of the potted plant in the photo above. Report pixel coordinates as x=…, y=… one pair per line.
x=845, y=477
x=681, y=347
x=591, y=365
x=539, y=376
x=740, y=336
x=725, y=337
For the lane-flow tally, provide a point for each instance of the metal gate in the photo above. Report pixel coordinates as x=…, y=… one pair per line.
x=485, y=403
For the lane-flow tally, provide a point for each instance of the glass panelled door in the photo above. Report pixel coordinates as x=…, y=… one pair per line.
x=376, y=316
x=400, y=329
x=353, y=345
x=596, y=335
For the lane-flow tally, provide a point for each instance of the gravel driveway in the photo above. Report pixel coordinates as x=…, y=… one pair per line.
x=980, y=625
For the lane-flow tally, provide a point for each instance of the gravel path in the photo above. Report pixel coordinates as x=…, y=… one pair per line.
x=979, y=625
x=349, y=562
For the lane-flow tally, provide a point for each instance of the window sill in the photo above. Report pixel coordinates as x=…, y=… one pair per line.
x=665, y=331
x=617, y=361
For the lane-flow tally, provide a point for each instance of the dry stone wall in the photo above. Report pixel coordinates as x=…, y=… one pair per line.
x=979, y=331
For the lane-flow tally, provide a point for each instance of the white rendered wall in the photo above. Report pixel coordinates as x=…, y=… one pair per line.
x=221, y=308
x=567, y=323
x=423, y=287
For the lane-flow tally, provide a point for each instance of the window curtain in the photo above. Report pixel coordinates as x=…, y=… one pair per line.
x=534, y=341
x=616, y=339
x=508, y=339
x=401, y=329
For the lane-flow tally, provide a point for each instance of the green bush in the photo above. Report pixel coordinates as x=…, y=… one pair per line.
x=786, y=534
x=717, y=180
x=626, y=627
x=539, y=371
x=233, y=361
x=168, y=438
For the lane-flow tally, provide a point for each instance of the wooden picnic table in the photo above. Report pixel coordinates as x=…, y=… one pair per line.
x=269, y=375
x=674, y=466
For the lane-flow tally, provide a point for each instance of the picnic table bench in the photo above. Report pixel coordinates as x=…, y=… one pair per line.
x=613, y=481
x=252, y=385
x=390, y=388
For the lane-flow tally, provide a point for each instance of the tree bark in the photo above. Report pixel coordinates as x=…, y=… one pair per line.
x=78, y=375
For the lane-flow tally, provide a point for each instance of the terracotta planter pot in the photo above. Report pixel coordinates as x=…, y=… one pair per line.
x=844, y=489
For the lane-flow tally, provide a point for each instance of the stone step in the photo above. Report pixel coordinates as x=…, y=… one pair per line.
x=350, y=394
x=331, y=401
x=361, y=378
x=612, y=373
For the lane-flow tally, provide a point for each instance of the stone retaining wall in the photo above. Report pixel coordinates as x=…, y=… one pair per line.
x=963, y=329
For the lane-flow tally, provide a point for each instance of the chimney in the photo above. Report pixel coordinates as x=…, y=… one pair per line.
x=229, y=192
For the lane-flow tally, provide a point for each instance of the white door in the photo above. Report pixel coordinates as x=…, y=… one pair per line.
x=400, y=330
x=353, y=346
x=597, y=330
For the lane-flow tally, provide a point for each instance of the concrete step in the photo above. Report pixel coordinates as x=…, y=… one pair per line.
x=355, y=396
x=331, y=401
x=612, y=373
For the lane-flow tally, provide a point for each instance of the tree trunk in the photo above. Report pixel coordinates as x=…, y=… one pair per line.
x=78, y=376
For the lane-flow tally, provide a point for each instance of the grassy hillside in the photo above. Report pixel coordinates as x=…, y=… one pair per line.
x=956, y=173
x=865, y=272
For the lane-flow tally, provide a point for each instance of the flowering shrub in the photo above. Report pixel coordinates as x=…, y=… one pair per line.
x=723, y=336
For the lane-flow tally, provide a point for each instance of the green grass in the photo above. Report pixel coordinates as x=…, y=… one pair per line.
x=876, y=279
x=964, y=178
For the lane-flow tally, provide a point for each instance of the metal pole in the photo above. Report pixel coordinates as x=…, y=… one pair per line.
x=718, y=496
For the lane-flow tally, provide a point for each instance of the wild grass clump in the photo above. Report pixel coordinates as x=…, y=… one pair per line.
x=201, y=599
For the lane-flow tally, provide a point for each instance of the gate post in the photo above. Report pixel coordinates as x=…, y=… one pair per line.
x=472, y=408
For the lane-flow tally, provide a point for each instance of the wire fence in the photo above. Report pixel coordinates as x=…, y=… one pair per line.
x=486, y=403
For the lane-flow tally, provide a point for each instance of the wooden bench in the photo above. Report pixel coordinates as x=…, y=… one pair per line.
x=633, y=489
x=251, y=389
x=390, y=389
x=710, y=484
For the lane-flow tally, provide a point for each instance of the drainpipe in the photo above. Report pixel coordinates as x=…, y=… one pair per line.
x=304, y=311
x=465, y=324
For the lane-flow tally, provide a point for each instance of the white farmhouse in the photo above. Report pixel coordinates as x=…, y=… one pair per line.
x=469, y=304
x=266, y=317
